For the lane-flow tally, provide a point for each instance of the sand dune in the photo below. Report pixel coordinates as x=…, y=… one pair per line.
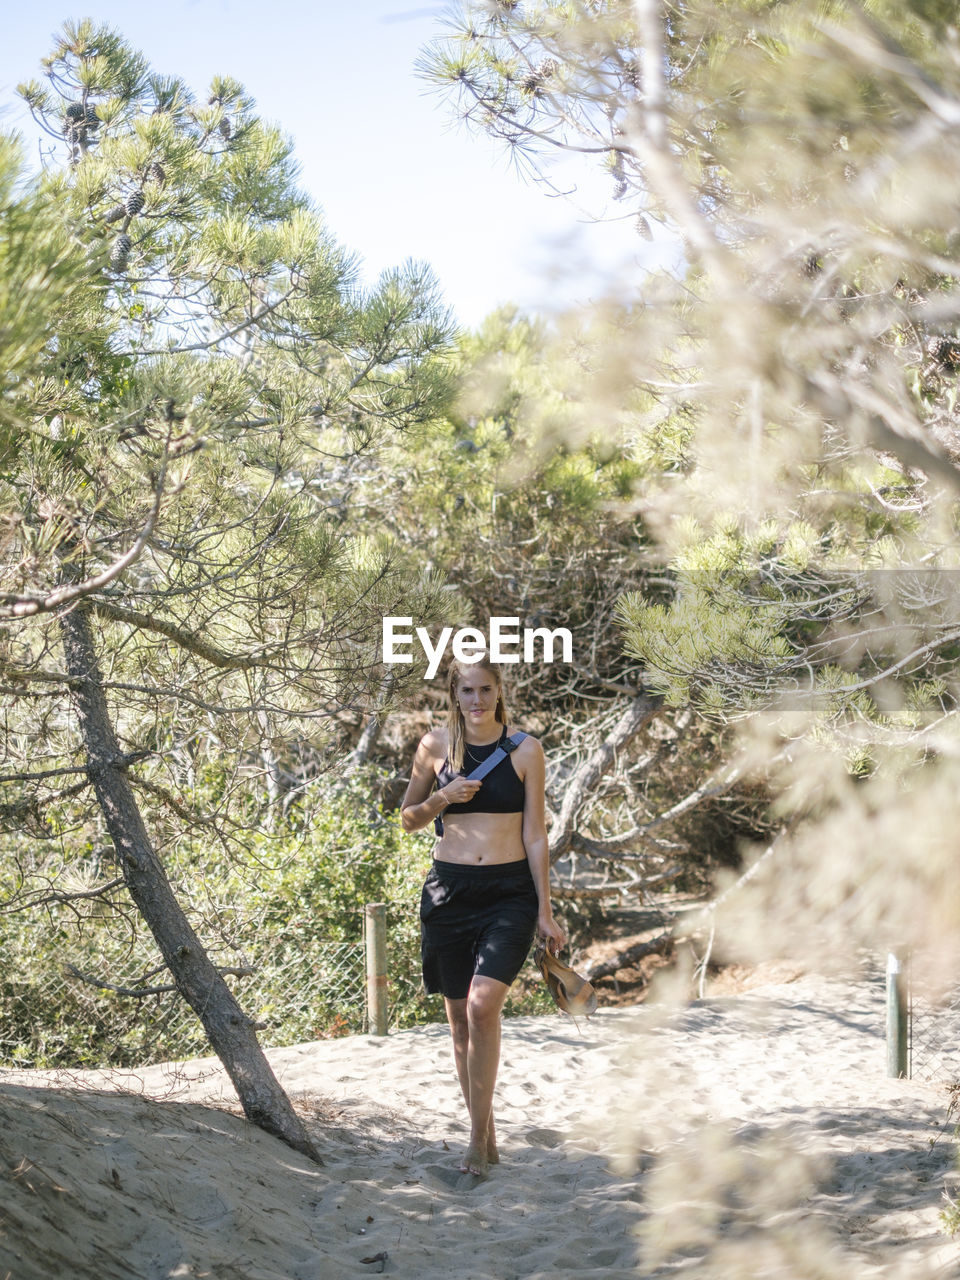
x=750, y=1135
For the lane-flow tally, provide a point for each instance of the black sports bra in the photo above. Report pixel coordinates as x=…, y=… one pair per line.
x=501, y=791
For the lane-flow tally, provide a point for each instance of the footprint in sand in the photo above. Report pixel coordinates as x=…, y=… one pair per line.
x=544, y=1137
x=452, y=1179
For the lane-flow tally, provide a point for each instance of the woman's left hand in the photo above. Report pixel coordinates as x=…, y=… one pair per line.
x=552, y=934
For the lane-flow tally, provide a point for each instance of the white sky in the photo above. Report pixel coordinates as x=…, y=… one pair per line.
x=395, y=174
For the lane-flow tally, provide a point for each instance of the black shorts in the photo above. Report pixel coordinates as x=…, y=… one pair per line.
x=475, y=920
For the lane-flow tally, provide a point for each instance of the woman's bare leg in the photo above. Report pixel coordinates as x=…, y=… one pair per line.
x=460, y=1032
x=484, y=1004
x=475, y=1028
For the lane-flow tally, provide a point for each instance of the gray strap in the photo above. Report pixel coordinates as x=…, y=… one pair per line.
x=492, y=760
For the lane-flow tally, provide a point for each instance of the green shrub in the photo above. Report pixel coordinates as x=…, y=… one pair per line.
x=283, y=907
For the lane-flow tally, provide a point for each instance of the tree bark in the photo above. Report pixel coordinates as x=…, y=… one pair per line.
x=229, y=1029
x=371, y=732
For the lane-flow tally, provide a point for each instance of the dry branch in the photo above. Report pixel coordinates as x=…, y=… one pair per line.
x=639, y=884
x=662, y=944
x=579, y=789
x=140, y=993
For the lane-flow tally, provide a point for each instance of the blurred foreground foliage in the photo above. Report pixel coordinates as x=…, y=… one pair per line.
x=785, y=393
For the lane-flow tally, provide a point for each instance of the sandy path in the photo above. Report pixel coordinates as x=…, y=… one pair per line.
x=742, y=1136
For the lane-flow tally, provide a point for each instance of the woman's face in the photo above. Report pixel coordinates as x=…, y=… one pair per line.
x=477, y=692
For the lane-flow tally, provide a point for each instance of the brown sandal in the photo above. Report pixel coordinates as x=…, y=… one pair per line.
x=571, y=993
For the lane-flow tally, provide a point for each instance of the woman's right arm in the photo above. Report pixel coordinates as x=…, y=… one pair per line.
x=421, y=804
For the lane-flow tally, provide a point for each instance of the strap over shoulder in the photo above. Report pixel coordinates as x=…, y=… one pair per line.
x=492, y=760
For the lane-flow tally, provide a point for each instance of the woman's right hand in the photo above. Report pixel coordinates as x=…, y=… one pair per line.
x=460, y=790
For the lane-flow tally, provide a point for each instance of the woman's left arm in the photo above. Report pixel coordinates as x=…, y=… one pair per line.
x=535, y=840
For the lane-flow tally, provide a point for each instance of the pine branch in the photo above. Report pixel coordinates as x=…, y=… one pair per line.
x=171, y=631
x=14, y=606
x=60, y=899
x=140, y=993
x=46, y=773
x=24, y=674
x=265, y=310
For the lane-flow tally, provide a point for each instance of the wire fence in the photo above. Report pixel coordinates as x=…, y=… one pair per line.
x=105, y=1012
x=934, y=1034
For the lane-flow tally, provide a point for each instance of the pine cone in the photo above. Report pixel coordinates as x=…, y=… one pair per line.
x=91, y=119
x=226, y=128
x=534, y=81
x=643, y=227
x=620, y=185
x=115, y=214
x=156, y=173
x=120, y=253
x=75, y=112
x=134, y=203
x=945, y=351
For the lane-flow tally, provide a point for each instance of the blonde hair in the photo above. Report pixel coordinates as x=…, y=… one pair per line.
x=455, y=721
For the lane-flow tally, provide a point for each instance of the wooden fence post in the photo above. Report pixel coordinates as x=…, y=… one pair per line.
x=375, y=936
x=897, y=1029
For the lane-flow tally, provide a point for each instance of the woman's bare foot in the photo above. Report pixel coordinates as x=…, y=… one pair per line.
x=475, y=1161
x=493, y=1154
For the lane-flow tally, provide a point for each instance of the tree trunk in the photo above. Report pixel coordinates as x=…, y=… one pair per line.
x=230, y=1031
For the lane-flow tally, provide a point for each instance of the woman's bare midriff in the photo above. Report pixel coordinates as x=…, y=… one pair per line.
x=475, y=838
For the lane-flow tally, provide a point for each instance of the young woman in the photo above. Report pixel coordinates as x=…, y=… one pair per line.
x=488, y=891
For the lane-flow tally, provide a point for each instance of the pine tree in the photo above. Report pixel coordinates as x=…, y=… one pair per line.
x=187, y=367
